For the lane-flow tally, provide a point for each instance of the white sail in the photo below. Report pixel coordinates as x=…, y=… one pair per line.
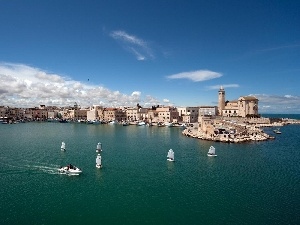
x=98, y=161
x=212, y=151
x=99, y=147
x=170, y=155
x=63, y=146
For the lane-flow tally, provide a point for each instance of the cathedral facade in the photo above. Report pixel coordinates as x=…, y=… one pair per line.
x=243, y=107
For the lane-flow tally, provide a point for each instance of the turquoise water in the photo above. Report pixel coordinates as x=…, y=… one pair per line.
x=249, y=183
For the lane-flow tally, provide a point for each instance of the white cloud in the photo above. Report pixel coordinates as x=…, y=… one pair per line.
x=167, y=102
x=278, y=104
x=25, y=86
x=133, y=44
x=196, y=76
x=127, y=38
x=151, y=101
x=138, y=55
x=24, y=71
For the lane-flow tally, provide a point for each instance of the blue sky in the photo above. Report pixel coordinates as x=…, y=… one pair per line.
x=168, y=52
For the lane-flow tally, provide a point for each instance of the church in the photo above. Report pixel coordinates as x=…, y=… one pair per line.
x=243, y=107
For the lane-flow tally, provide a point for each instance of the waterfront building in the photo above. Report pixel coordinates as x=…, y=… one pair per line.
x=248, y=105
x=95, y=113
x=167, y=114
x=28, y=113
x=152, y=115
x=74, y=114
x=245, y=106
x=80, y=114
x=181, y=111
x=142, y=113
x=120, y=114
x=52, y=114
x=188, y=114
x=208, y=111
x=40, y=113
x=109, y=114
x=11, y=113
x=4, y=112
x=231, y=109
x=114, y=114
x=132, y=114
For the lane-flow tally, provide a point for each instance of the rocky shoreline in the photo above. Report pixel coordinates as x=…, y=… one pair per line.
x=239, y=134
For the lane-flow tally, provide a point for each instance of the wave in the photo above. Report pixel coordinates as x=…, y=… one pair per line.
x=12, y=166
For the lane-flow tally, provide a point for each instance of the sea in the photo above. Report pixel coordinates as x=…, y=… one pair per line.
x=247, y=183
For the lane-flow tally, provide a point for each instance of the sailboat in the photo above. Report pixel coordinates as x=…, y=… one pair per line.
x=211, y=151
x=98, y=161
x=99, y=147
x=170, y=156
x=63, y=146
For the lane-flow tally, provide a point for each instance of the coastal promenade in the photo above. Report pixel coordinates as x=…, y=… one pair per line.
x=235, y=133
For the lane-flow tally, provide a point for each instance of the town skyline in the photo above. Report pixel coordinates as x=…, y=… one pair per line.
x=152, y=53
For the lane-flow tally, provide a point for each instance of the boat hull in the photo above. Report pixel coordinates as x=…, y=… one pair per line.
x=212, y=155
x=67, y=170
x=98, y=166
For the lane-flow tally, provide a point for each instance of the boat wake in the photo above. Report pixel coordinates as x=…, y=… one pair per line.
x=45, y=169
x=68, y=174
x=26, y=166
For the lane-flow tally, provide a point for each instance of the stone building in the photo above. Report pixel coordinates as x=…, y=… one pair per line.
x=95, y=113
x=243, y=107
x=188, y=114
x=167, y=114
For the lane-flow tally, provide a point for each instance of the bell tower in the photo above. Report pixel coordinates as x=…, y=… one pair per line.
x=221, y=104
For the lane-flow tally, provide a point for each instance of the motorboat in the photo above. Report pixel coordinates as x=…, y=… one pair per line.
x=160, y=124
x=70, y=169
x=125, y=123
x=168, y=124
